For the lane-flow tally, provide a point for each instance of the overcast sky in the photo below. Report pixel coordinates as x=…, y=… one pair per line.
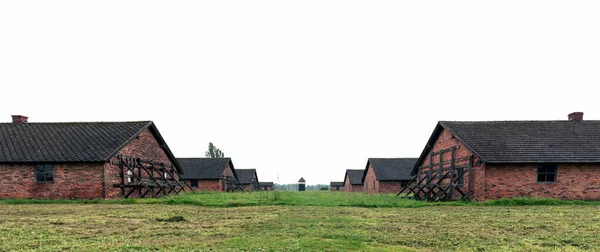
x=299, y=88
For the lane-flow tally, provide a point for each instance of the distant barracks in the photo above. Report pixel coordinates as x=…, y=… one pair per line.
x=87, y=160
x=461, y=160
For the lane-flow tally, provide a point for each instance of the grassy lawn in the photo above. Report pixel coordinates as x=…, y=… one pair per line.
x=305, y=225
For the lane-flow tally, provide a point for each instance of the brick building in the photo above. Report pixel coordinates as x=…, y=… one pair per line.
x=558, y=159
x=387, y=175
x=353, y=181
x=266, y=186
x=336, y=186
x=84, y=160
x=248, y=179
x=210, y=174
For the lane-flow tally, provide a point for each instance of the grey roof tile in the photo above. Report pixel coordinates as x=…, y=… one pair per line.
x=391, y=169
x=204, y=168
x=530, y=141
x=355, y=176
x=245, y=175
x=65, y=142
x=268, y=184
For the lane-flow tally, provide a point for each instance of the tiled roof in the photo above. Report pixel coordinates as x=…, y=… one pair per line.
x=336, y=184
x=391, y=169
x=204, y=168
x=530, y=141
x=65, y=142
x=524, y=141
x=245, y=175
x=267, y=184
x=356, y=176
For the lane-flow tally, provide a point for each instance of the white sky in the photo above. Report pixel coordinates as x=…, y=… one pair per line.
x=299, y=88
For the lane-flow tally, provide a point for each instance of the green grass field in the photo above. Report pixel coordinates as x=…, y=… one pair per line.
x=292, y=221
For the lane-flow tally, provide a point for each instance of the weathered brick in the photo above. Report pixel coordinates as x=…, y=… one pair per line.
x=82, y=181
x=77, y=180
x=352, y=188
x=214, y=184
x=494, y=181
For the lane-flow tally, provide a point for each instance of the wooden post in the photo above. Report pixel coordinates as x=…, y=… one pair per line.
x=121, y=167
x=470, y=170
x=452, y=172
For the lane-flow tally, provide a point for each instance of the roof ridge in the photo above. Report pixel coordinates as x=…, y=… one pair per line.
x=66, y=141
x=526, y=141
x=497, y=121
x=84, y=122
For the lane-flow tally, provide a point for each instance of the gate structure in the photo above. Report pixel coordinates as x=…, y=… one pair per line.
x=147, y=178
x=444, y=177
x=231, y=184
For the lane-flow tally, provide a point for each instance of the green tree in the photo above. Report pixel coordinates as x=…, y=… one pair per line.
x=213, y=152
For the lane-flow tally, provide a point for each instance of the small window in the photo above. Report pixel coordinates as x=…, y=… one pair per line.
x=194, y=183
x=459, y=172
x=546, y=173
x=44, y=173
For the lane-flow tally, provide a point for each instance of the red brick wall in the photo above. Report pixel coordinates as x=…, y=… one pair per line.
x=371, y=185
x=208, y=185
x=213, y=184
x=351, y=188
x=389, y=187
x=79, y=180
x=227, y=172
x=494, y=181
x=574, y=181
x=445, y=141
x=249, y=187
x=189, y=182
x=145, y=147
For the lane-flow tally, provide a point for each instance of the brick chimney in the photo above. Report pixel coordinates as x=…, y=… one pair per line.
x=576, y=116
x=19, y=118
